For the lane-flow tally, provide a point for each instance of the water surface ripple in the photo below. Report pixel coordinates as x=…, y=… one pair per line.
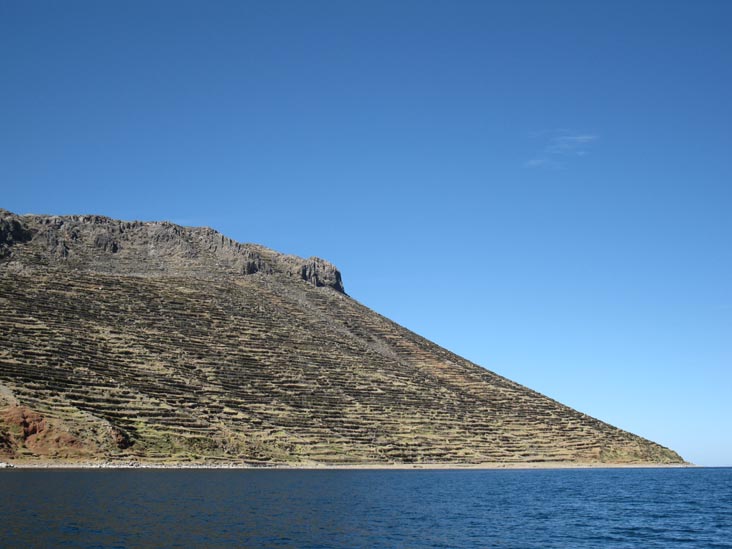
x=367, y=508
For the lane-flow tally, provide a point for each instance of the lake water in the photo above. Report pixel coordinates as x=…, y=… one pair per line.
x=367, y=508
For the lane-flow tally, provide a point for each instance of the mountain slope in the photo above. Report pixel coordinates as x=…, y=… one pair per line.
x=155, y=342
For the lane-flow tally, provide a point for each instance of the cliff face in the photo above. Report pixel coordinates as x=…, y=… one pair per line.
x=155, y=342
x=94, y=243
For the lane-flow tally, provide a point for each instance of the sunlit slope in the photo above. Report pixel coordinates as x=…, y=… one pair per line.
x=268, y=366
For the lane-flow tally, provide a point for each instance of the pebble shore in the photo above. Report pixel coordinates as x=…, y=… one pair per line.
x=38, y=464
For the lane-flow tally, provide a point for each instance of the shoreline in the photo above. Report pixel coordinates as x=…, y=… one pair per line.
x=325, y=467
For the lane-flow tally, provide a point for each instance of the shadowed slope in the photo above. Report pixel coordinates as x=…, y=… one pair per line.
x=154, y=342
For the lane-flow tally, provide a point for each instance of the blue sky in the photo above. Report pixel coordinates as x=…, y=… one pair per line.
x=543, y=188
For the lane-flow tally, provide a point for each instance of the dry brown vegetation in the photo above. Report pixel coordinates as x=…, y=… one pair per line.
x=206, y=349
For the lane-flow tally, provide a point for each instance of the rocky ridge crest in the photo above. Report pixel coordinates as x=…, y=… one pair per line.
x=100, y=244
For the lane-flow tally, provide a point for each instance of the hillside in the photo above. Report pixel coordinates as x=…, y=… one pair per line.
x=151, y=342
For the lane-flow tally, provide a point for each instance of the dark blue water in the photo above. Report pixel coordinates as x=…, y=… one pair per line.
x=280, y=508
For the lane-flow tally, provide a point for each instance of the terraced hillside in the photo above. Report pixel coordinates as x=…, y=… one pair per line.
x=157, y=343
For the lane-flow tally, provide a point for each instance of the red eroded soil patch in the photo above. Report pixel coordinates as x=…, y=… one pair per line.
x=24, y=419
x=6, y=446
x=24, y=427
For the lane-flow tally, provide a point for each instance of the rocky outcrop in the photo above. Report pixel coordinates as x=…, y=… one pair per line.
x=319, y=272
x=12, y=232
x=100, y=244
x=151, y=342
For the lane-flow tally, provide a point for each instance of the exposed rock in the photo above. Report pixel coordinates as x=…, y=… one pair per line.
x=120, y=438
x=12, y=231
x=319, y=272
x=99, y=244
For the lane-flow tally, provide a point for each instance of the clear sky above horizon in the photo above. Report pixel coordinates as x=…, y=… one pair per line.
x=541, y=187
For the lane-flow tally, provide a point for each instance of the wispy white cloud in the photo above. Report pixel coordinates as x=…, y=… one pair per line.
x=559, y=146
x=544, y=162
